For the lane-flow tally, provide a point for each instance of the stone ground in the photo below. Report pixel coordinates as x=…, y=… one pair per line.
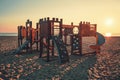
x=102, y=66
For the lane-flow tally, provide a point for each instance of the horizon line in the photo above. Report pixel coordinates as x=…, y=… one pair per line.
x=15, y=34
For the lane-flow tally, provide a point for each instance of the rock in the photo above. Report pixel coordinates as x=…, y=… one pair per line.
x=27, y=59
x=90, y=73
x=0, y=73
x=8, y=65
x=95, y=70
x=2, y=67
x=20, y=70
x=30, y=59
x=96, y=76
x=18, y=76
x=39, y=67
x=1, y=79
x=6, y=75
x=16, y=55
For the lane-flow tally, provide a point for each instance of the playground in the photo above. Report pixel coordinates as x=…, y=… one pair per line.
x=51, y=34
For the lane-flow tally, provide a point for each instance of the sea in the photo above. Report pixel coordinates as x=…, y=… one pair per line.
x=8, y=34
x=16, y=34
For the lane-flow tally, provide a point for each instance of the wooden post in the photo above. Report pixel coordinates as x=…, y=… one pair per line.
x=71, y=44
x=80, y=37
x=95, y=29
x=71, y=39
x=39, y=35
x=48, y=39
x=88, y=29
x=52, y=33
x=72, y=31
x=61, y=21
x=65, y=35
x=18, y=36
x=27, y=34
x=30, y=36
x=37, y=24
x=41, y=46
x=65, y=38
x=41, y=39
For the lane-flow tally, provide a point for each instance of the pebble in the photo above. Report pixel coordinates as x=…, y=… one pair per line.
x=1, y=79
x=107, y=65
x=8, y=65
x=20, y=70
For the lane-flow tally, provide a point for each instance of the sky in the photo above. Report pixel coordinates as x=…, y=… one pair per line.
x=104, y=13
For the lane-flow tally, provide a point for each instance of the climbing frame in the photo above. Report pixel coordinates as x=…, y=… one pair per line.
x=75, y=46
x=61, y=47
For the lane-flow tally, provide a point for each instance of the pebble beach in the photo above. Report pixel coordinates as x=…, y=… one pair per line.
x=102, y=66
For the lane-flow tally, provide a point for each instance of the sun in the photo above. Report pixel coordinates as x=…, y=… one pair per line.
x=108, y=34
x=109, y=22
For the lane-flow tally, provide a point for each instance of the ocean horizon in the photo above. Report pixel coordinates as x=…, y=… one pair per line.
x=16, y=34
x=8, y=34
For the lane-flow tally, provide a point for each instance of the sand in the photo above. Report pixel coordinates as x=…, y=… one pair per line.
x=102, y=66
x=8, y=43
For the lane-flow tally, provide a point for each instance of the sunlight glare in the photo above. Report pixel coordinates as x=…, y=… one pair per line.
x=108, y=34
x=75, y=30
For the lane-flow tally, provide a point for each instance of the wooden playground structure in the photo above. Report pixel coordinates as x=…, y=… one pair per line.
x=50, y=33
x=28, y=33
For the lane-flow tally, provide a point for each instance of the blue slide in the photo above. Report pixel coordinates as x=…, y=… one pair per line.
x=23, y=46
x=100, y=41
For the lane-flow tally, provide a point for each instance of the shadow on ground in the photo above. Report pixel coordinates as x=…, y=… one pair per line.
x=76, y=69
